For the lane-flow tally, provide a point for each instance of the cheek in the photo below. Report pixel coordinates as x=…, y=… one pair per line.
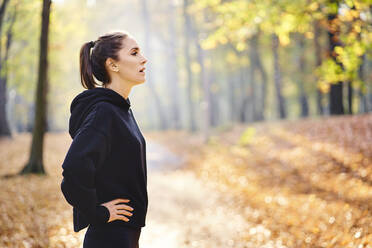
x=128, y=69
x=129, y=65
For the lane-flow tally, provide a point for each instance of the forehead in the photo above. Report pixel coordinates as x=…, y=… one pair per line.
x=130, y=44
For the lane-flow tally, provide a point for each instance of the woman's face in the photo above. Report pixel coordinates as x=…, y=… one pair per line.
x=131, y=62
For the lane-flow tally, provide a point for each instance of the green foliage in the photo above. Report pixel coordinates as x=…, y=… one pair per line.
x=238, y=20
x=329, y=72
x=65, y=39
x=23, y=58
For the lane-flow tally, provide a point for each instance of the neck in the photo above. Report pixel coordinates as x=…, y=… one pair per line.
x=122, y=89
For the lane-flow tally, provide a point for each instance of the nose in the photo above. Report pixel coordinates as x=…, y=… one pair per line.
x=144, y=60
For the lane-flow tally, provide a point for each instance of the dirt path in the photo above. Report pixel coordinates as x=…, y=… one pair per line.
x=185, y=212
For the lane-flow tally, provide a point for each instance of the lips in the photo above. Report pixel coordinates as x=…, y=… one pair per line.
x=142, y=69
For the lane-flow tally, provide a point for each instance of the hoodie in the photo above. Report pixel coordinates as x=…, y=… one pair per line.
x=105, y=161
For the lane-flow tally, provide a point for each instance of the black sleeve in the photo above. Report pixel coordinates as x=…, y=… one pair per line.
x=84, y=157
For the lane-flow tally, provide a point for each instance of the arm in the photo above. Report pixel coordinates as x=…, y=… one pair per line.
x=85, y=155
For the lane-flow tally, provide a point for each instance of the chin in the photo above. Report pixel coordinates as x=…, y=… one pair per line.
x=141, y=81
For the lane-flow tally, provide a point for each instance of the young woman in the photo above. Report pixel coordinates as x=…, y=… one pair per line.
x=104, y=171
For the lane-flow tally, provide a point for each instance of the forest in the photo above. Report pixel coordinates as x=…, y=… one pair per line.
x=263, y=107
x=211, y=63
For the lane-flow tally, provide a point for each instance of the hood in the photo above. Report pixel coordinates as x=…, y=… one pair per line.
x=83, y=103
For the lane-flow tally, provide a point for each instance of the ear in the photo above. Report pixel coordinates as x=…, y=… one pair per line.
x=111, y=65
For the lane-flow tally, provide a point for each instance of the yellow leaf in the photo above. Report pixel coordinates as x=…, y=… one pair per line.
x=284, y=39
x=195, y=67
x=241, y=46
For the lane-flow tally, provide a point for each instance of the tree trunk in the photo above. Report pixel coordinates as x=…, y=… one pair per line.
x=242, y=96
x=173, y=69
x=318, y=62
x=336, y=96
x=278, y=78
x=363, y=108
x=188, y=32
x=302, y=94
x=4, y=125
x=214, y=97
x=350, y=98
x=237, y=91
x=205, y=104
x=258, y=97
x=35, y=163
x=263, y=75
x=230, y=80
x=251, y=79
x=158, y=106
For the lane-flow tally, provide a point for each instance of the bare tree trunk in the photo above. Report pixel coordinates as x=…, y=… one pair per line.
x=251, y=81
x=256, y=96
x=336, y=96
x=318, y=62
x=205, y=104
x=214, y=117
x=173, y=70
x=258, y=103
x=231, y=81
x=238, y=97
x=4, y=77
x=278, y=77
x=148, y=35
x=350, y=93
x=241, y=95
x=302, y=98
x=35, y=163
x=188, y=32
x=363, y=108
x=4, y=125
x=263, y=74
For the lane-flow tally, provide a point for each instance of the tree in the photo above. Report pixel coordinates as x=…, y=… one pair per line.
x=4, y=127
x=278, y=78
x=188, y=32
x=35, y=163
x=318, y=62
x=335, y=96
x=302, y=93
x=173, y=68
x=148, y=38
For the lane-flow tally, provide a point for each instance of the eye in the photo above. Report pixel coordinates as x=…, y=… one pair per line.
x=135, y=53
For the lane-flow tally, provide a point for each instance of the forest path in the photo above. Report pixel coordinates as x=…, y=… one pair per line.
x=184, y=211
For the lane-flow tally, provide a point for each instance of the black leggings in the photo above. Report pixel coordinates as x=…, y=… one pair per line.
x=111, y=237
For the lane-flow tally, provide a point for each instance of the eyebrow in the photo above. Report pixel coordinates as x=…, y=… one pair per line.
x=135, y=48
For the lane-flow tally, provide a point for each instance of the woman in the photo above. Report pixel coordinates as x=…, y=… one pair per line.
x=104, y=171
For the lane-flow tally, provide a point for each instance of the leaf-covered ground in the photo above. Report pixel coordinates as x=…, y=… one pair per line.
x=308, y=183
x=183, y=211
x=284, y=184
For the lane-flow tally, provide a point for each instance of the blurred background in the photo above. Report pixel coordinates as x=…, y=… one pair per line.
x=257, y=115
x=211, y=63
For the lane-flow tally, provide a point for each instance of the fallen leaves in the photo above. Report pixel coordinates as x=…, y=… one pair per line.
x=297, y=184
x=33, y=212
x=309, y=181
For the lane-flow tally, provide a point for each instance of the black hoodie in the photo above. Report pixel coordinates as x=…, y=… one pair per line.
x=106, y=159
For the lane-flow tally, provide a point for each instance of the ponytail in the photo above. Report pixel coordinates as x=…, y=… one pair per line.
x=86, y=72
x=93, y=64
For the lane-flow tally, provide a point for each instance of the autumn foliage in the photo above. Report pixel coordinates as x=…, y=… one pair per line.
x=309, y=182
x=300, y=183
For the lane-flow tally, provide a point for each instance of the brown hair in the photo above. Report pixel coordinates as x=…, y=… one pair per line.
x=93, y=64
